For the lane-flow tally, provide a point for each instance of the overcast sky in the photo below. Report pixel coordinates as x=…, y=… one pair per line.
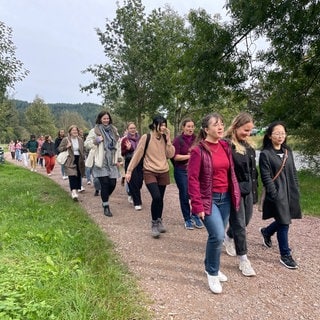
x=56, y=40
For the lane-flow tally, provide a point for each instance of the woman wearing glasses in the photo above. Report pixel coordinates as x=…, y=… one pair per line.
x=282, y=194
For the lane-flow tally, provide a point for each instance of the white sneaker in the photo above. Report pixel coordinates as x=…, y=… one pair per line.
x=130, y=199
x=64, y=177
x=82, y=189
x=246, y=268
x=222, y=276
x=74, y=195
x=138, y=208
x=230, y=249
x=214, y=283
x=31, y=169
x=89, y=183
x=49, y=174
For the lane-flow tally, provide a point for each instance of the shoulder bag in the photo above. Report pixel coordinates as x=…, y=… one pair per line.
x=62, y=157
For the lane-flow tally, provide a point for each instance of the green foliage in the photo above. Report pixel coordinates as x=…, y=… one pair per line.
x=289, y=70
x=39, y=119
x=9, y=122
x=11, y=69
x=310, y=188
x=156, y=64
x=55, y=263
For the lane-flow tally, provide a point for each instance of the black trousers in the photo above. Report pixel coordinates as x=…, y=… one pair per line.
x=157, y=194
x=135, y=184
x=107, y=187
x=75, y=181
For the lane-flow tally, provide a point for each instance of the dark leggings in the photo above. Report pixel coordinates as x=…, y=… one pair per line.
x=107, y=187
x=75, y=181
x=157, y=194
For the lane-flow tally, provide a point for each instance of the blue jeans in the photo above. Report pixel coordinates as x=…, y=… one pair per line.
x=181, y=178
x=282, y=236
x=62, y=170
x=88, y=173
x=216, y=224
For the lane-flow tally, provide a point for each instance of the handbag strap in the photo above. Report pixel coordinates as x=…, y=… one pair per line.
x=282, y=165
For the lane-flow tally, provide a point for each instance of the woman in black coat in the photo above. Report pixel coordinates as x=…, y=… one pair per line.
x=282, y=194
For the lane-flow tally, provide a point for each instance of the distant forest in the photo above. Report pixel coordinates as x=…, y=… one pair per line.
x=88, y=111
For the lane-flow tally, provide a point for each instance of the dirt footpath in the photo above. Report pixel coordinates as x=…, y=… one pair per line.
x=171, y=270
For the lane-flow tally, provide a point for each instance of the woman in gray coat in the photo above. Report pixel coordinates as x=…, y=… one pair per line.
x=74, y=165
x=282, y=194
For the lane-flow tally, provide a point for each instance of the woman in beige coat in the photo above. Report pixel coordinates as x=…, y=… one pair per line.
x=74, y=165
x=104, y=157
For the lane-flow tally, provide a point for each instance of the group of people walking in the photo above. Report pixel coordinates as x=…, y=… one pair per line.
x=215, y=172
x=222, y=182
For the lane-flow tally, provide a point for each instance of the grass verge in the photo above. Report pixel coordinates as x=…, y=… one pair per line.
x=55, y=263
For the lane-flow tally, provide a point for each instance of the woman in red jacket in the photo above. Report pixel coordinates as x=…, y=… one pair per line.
x=213, y=189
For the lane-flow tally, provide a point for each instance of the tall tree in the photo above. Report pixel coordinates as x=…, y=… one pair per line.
x=9, y=121
x=141, y=51
x=68, y=118
x=39, y=119
x=11, y=68
x=290, y=72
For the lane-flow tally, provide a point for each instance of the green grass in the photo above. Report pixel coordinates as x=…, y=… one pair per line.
x=310, y=190
x=55, y=263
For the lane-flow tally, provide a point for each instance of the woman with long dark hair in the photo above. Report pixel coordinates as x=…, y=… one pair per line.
x=105, y=156
x=282, y=199
x=155, y=168
x=213, y=189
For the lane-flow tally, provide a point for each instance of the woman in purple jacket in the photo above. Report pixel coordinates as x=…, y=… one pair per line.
x=213, y=189
x=183, y=144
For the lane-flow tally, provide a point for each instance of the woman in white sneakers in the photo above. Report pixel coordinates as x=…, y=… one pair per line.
x=74, y=165
x=244, y=158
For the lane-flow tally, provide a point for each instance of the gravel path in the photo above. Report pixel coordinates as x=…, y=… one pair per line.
x=171, y=271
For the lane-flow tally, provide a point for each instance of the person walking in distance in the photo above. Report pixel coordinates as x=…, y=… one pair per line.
x=105, y=152
x=244, y=158
x=155, y=154
x=74, y=165
x=49, y=153
x=57, y=142
x=12, y=149
x=32, y=147
x=213, y=190
x=182, y=144
x=128, y=146
x=282, y=199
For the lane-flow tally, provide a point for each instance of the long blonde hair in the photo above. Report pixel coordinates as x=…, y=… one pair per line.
x=240, y=120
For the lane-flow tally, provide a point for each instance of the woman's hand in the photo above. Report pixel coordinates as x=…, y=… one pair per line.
x=99, y=139
x=167, y=133
x=128, y=145
x=201, y=215
x=128, y=177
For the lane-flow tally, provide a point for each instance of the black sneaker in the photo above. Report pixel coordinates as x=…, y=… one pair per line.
x=266, y=239
x=288, y=262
